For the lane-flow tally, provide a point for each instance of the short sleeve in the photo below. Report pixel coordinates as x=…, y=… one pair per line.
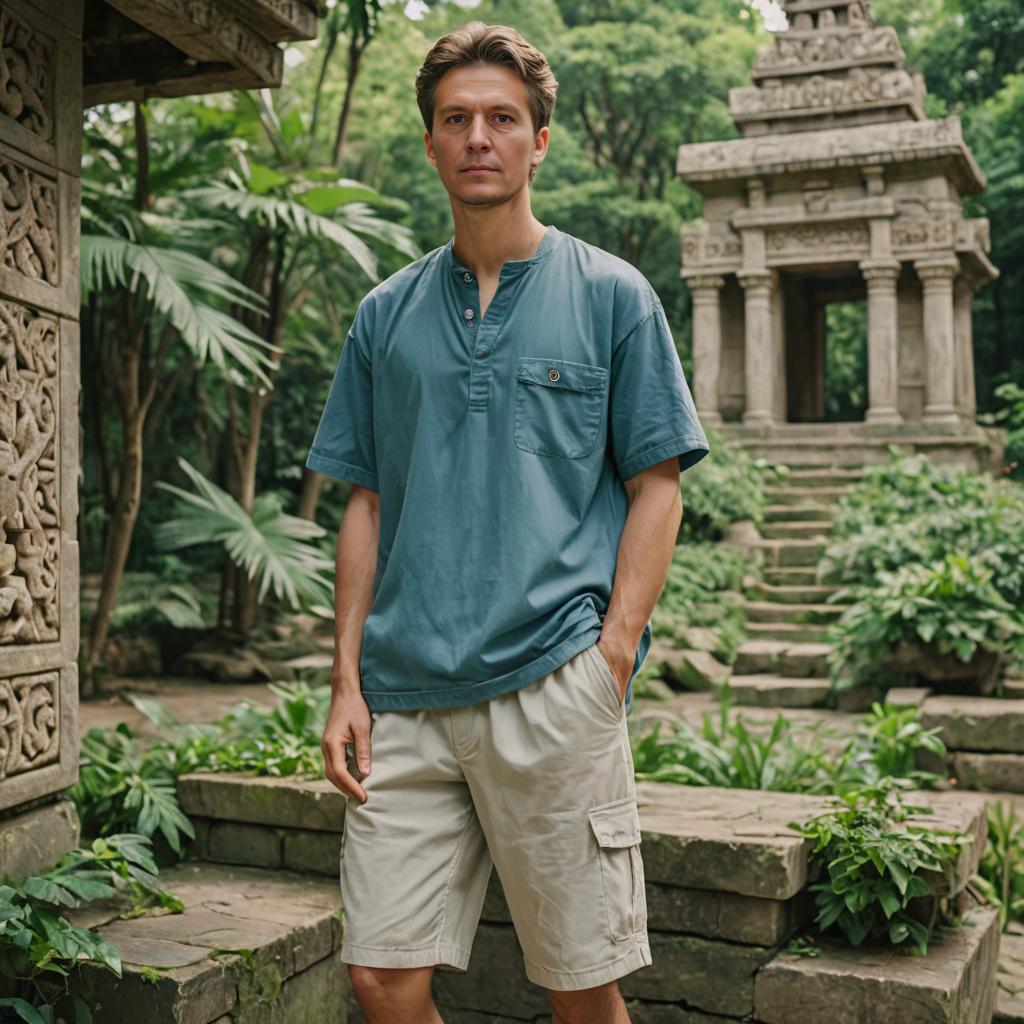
x=343, y=445
x=652, y=415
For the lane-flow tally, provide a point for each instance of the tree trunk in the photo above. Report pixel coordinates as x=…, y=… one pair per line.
x=355, y=55
x=309, y=496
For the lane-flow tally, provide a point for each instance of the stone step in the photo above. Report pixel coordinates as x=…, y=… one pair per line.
x=794, y=551
x=980, y=724
x=257, y=944
x=807, y=477
x=775, y=611
x=809, y=511
x=798, y=529
x=788, y=593
x=784, y=657
x=800, y=576
x=782, y=495
x=764, y=690
x=799, y=631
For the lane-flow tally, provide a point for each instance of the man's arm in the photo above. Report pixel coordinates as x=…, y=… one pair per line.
x=348, y=720
x=645, y=553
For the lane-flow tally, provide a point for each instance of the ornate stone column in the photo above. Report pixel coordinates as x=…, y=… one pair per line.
x=936, y=274
x=963, y=338
x=881, y=276
x=707, y=345
x=758, y=362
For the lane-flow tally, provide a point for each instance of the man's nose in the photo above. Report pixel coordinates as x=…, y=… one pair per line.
x=479, y=138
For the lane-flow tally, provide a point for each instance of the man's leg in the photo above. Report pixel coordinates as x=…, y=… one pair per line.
x=387, y=995
x=589, y=1005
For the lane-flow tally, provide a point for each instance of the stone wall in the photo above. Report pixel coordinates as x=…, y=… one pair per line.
x=727, y=887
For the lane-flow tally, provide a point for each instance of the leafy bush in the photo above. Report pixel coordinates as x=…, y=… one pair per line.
x=731, y=752
x=1000, y=874
x=1010, y=416
x=39, y=947
x=727, y=485
x=953, y=604
x=127, y=783
x=702, y=589
x=911, y=511
x=875, y=861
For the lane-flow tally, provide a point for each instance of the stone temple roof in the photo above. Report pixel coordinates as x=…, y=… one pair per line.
x=135, y=49
x=832, y=90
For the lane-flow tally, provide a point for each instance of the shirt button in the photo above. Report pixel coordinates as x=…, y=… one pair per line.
x=468, y=314
x=481, y=352
x=467, y=276
x=553, y=374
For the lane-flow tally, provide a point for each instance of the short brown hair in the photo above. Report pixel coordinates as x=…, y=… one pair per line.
x=477, y=43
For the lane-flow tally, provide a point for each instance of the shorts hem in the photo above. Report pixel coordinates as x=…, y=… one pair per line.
x=422, y=956
x=568, y=981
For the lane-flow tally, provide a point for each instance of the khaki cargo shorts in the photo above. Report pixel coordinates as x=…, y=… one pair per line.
x=538, y=782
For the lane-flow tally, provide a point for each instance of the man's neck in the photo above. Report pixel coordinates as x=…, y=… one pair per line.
x=486, y=237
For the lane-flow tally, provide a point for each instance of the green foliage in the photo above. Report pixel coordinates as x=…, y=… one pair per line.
x=877, y=864
x=39, y=946
x=125, y=782
x=727, y=485
x=267, y=542
x=1000, y=874
x=702, y=589
x=846, y=367
x=952, y=604
x=911, y=511
x=731, y=752
x=1011, y=418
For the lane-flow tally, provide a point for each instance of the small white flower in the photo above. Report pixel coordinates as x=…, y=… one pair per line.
x=416, y=9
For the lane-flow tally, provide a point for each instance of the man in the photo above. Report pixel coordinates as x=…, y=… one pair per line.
x=512, y=414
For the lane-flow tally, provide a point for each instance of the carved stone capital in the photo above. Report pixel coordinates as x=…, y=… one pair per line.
x=938, y=268
x=754, y=280
x=704, y=286
x=880, y=271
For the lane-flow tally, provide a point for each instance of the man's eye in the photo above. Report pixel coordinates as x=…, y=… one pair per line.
x=508, y=118
x=454, y=116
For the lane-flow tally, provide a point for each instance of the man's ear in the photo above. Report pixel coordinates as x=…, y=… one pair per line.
x=429, y=143
x=540, y=145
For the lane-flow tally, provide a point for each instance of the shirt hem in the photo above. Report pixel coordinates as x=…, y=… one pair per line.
x=459, y=696
x=690, y=449
x=342, y=470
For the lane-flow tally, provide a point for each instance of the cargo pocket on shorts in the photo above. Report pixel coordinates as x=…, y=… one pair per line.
x=616, y=826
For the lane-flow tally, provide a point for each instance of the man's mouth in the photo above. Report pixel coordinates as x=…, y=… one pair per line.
x=477, y=169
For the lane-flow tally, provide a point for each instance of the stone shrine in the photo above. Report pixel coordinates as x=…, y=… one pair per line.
x=839, y=190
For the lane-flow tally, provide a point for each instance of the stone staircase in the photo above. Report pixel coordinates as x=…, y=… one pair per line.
x=783, y=662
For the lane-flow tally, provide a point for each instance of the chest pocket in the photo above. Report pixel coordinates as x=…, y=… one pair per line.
x=559, y=406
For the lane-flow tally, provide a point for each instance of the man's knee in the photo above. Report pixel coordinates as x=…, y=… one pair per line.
x=390, y=987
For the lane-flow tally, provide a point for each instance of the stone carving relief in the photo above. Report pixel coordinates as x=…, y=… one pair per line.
x=28, y=722
x=29, y=494
x=924, y=232
x=26, y=75
x=860, y=85
x=700, y=247
x=28, y=222
x=833, y=48
x=817, y=239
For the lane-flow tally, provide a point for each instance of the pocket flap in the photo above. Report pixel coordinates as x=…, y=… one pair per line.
x=616, y=824
x=566, y=374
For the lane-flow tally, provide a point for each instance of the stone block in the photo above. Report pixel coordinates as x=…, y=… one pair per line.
x=709, y=975
x=1001, y=772
x=953, y=984
x=235, y=796
x=231, y=842
x=316, y=852
x=907, y=696
x=1010, y=980
x=985, y=724
x=35, y=840
x=700, y=670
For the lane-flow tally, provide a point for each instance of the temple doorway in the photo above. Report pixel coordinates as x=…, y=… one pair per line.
x=825, y=326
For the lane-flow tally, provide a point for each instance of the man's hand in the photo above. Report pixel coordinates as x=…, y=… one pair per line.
x=348, y=721
x=620, y=660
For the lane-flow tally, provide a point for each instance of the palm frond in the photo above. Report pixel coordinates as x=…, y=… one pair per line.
x=269, y=544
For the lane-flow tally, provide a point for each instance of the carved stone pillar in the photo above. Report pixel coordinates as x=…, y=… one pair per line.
x=881, y=276
x=936, y=274
x=707, y=345
x=759, y=364
x=40, y=166
x=963, y=336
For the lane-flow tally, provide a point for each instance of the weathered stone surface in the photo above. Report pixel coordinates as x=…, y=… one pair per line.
x=976, y=723
x=953, y=984
x=717, y=977
x=767, y=690
x=236, y=796
x=1010, y=979
x=907, y=696
x=700, y=670
x=231, y=842
x=737, y=840
x=288, y=922
x=1002, y=772
x=34, y=841
x=701, y=638
x=315, y=852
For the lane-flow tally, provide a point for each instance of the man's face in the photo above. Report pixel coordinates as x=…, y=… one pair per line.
x=483, y=141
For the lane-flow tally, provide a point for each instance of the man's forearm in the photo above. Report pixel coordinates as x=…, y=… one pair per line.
x=645, y=552
x=355, y=567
